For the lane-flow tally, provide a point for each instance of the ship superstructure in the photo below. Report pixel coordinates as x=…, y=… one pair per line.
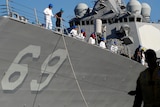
x=126, y=24
x=46, y=68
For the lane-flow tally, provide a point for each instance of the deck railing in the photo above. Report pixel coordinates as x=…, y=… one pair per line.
x=9, y=6
x=24, y=13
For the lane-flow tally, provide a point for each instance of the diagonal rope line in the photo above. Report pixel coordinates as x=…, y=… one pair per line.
x=74, y=73
x=44, y=72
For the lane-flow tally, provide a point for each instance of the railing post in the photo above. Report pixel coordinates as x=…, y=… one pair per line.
x=35, y=13
x=61, y=28
x=7, y=5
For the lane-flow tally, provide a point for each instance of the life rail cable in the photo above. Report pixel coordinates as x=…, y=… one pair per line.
x=23, y=10
x=45, y=70
x=74, y=74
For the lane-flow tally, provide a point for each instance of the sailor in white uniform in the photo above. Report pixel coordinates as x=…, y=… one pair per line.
x=92, y=39
x=74, y=31
x=102, y=44
x=48, y=16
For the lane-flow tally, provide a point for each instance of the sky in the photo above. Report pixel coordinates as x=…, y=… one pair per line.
x=69, y=5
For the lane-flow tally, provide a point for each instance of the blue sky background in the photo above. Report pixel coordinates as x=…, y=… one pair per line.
x=69, y=5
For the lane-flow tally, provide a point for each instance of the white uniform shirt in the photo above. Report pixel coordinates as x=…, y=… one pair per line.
x=74, y=32
x=48, y=13
x=143, y=59
x=102, y=44
x=80, y=36
x=114, y=48
x=91, y=41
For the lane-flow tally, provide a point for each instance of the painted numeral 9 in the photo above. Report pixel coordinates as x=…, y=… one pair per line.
x=50, y=70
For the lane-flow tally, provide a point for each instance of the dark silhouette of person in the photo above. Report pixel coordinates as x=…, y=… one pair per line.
x=137, y=54
x=59, y=18
x=148, y=83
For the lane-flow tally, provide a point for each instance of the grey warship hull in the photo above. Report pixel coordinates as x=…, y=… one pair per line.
x=41, y=68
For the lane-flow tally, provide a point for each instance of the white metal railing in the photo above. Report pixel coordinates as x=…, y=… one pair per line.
x=8, y=7
x=24, y=13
